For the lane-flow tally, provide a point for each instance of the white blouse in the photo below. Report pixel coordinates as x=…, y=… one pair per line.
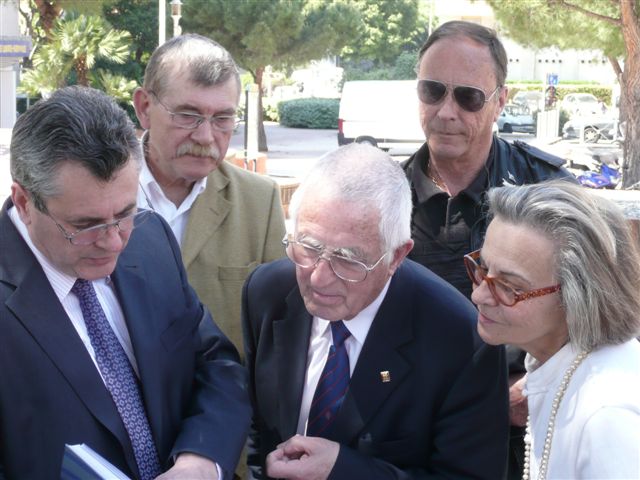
x=597, y=428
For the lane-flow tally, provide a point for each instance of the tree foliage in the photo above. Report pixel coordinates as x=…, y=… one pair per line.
x=140, y=19
x=280, y=33
x=75, y=44
x=388, y=28
x=611, y=26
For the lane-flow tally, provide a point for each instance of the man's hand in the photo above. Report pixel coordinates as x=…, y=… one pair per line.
x=303, y=458
x=190, y=466
x=518, y=407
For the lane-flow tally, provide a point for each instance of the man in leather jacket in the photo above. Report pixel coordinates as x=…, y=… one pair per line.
x=461, y=86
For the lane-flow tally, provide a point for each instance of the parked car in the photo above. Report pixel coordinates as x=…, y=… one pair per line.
x=581, y=104
x=530, y=100
x=514, y=119
x=594, y=128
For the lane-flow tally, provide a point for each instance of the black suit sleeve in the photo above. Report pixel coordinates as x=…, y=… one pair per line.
x=470, y=432
x=254, y=456
x=217, y=412
x=216, y=421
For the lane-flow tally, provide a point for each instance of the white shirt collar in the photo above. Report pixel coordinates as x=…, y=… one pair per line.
x=60, y=281
x=360, y=324
x=541, y=377
x=152, y=197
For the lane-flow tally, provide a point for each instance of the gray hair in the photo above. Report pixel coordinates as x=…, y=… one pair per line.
x=75, y=124
x=367, y=178
x=206, y=62
x=483, y=35
x=596, y=258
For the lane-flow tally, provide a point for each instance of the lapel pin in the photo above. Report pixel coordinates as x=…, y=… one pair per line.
x=385, y=376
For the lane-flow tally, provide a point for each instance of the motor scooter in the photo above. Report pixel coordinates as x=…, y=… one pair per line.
x=608, y=176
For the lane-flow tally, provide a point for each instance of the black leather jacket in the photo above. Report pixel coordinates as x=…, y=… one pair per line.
x=517, y=164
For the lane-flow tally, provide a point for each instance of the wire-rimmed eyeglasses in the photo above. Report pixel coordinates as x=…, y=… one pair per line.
x=191, y=121
x=500, y=291
x=306, y=255
x=90, y=235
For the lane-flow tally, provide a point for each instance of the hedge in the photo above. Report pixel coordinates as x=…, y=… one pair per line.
x=309, y=112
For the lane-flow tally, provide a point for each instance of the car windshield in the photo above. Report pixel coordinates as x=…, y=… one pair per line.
x=587, y=99
x=514, y=110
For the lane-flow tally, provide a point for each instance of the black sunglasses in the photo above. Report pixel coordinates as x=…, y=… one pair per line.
x=471, y=99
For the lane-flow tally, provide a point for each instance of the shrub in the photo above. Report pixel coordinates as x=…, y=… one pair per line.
x=270, y=110
x=309, y=112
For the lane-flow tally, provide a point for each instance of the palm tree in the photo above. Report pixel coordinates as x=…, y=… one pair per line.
x=77, y=41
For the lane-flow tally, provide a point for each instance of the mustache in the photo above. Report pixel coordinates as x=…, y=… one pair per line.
x=198, y=150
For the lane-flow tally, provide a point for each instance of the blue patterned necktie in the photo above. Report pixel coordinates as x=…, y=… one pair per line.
x=120, y=379
x=332, y=385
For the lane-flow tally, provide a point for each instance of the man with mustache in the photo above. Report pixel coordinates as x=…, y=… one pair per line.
x=461, y=87
x=227, y=220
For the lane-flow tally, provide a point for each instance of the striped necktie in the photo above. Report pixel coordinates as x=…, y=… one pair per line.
x=332, y=385
x=119, y=378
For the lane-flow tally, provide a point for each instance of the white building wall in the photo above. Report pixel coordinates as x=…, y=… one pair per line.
x=9, y=27
x=527, y=64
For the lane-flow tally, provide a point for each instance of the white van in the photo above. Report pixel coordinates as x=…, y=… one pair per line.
x=382, y=113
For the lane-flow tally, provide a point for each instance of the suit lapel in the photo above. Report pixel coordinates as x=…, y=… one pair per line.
x=36, y=306
x=137, y=307
x=207, y=214
x=390, y=330
x=291, y=343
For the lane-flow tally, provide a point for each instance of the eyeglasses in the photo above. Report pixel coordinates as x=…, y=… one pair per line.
x=191, y=121
x=500, y=291
x=308, y=256
x=88, y=236
x=471, y=99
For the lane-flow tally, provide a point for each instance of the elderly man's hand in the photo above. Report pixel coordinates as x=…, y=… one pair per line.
x=303, y=458
x=190, y=466
x=518, y=407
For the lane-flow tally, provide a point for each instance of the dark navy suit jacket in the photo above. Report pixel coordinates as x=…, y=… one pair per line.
x=51, y=393
x=444, y=413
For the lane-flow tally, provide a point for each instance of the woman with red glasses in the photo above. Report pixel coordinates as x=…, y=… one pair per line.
x=559, y=276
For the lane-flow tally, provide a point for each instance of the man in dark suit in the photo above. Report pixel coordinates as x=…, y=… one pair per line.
x=363, y=364
x=102, y=340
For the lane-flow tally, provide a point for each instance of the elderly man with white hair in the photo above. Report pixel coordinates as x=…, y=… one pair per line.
x=362, y=363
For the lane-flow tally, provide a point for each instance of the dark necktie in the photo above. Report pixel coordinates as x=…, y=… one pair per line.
x=332, y=385
x=120, y=379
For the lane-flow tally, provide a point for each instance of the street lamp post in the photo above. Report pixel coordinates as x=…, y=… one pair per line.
x=176, y=14
x=162, y=24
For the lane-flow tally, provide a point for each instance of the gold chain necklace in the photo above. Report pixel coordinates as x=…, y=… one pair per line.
x=546, y=451
x=436, y=179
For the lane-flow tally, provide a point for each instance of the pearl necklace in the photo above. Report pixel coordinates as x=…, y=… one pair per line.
x=546, y=451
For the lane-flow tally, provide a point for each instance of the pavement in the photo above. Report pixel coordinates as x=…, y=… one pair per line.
x=292, y=151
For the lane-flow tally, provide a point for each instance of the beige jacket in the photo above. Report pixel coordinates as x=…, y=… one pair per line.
x=234, y=225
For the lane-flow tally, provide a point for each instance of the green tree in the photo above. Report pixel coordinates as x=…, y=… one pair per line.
x=611, y=26
x=140, y=19
x=389, y=27
x=280, y=33
x=75, y=44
